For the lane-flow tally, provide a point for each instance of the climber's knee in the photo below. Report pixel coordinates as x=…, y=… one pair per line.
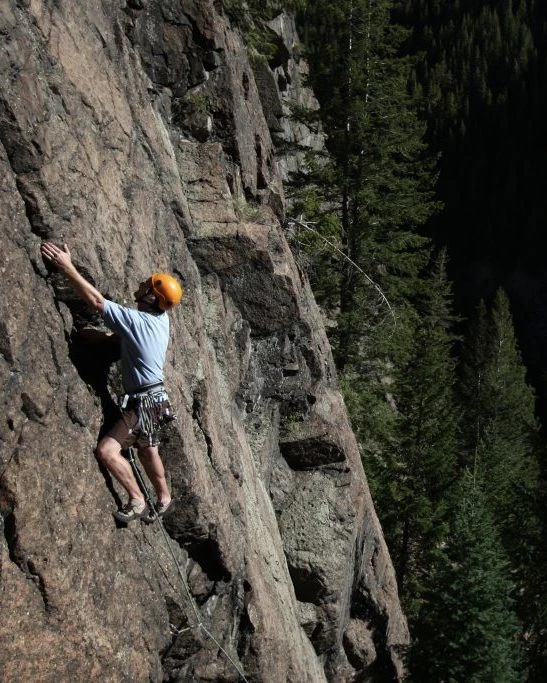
x=108, y=449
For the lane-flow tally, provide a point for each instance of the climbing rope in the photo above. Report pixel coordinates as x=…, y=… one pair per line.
x=200, y=624
x=307, y=226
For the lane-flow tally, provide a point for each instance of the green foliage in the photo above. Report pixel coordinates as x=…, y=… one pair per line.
x=537, y=635
x=464, y=557
x=480, y=79
x=502, y=442
x=468, y=630
x=199, y=101
x=260, y=9
x=252, y=16
x=370, y=197
x=502, y=437
x=318, y=239
x=475, y=58
x=380, y=176
x=415, y=489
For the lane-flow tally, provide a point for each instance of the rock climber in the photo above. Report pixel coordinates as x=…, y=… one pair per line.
x=145, y=407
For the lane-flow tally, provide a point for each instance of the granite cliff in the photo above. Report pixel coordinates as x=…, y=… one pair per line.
x=141, y=136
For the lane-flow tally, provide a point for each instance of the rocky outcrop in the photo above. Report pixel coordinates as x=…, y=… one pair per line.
x=141, y=136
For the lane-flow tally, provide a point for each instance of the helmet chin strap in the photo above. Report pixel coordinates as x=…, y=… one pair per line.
x=147, y=298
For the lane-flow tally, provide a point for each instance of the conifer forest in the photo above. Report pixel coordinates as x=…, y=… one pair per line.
x=420, y=229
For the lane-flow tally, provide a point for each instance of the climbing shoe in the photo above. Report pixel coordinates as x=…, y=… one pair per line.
x=162, y=509
x=134, y=509
x=158, y=511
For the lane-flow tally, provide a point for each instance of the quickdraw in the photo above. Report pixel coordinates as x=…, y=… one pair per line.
x=153, y=409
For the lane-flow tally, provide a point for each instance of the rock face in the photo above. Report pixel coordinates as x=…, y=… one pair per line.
x=142, y=138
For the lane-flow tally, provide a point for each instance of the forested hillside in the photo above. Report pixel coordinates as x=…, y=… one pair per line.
x=425, y=210
x=480, y=81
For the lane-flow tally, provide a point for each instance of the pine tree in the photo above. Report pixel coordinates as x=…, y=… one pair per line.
x=504, y=432
x=473, y=387
x=375, y=193
x=380, y=177
x=380, y=187
x=414, y=491
x=469, y=631
x=503, y=441
x=536, y=636
x=510, y=446
x=482, y=68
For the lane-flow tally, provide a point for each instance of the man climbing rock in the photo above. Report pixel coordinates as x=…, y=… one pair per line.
x=145, y=407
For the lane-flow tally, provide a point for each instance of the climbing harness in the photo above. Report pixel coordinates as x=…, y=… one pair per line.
x=152, y=406
x=156, y=517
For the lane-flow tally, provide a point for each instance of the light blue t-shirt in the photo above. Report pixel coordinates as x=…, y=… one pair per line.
x=144, y=340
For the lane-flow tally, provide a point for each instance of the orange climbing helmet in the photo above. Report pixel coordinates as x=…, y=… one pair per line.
x=166, y=289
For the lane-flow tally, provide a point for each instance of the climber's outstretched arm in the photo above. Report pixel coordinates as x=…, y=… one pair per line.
x=61, y=258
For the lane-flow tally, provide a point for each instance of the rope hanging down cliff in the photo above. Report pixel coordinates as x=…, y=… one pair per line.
x=199, y=624
x=307, y=226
